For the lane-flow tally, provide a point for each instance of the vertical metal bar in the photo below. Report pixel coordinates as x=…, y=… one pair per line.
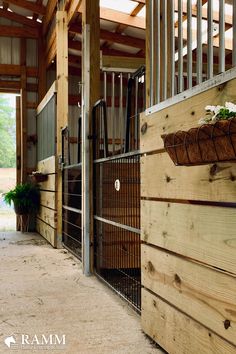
x=180, y=46
x=105, y=85
x=121, y=118
x=209, y=39
x=172, y=48
x=164, y=49
x=113, y=112
x=152, y=46
x=136, y=126
x=222, y=36
x=189, y=44
x=86, y=192
x=234, y=33
x=199, y=41
x=158, y=50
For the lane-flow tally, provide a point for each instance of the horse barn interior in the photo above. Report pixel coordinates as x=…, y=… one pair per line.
x=99, y=83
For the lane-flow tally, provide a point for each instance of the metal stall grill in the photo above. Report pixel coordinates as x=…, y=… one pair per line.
x=116, y=171
x=72, y=196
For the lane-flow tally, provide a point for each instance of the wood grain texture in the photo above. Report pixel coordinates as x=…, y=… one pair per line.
x=204, y=233
x=49, y=184
x=188, y=183
x=48, y=216
x=176, y=332
x=47, y=166
x=182, y=116
x=46, y=231
x=48, y=199
x=203, y=293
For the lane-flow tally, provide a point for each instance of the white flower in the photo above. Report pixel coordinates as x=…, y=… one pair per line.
x=210, y=108
x=217, y=109
x=231, y=106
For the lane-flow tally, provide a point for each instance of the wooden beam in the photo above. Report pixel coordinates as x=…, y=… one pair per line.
x=28, y=5
x=15, y=70
x=62, y=103
x=50, y=10
x=18, y=32
x=121, y=17
x=19, y=19
x=122, y=62
x=73, y=9
x=122, y=39
x=16, y=85
x=137, y=9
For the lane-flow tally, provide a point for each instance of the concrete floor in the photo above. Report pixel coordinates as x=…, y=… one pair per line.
x=43, y=292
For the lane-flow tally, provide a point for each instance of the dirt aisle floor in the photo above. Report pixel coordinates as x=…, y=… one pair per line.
x=43, y=292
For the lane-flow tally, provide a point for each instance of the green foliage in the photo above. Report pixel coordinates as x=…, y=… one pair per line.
x=26, y=196
x=7, y=133
x=225, y=113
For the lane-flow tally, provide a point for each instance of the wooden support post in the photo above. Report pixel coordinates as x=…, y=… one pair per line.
x=91, y=93
x=23, y=113
x=62, y=104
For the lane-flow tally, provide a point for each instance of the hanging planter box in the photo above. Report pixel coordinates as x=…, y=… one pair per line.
x=38, y=177
x=206, y=144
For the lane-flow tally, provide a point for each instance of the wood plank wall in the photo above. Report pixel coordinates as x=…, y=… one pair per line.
x=188, y=222
x=46, y=222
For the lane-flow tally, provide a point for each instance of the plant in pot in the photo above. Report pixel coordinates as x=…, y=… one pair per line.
x=213, y=141
x=26, y=200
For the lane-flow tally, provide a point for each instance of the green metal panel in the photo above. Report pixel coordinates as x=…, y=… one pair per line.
x=46, y=130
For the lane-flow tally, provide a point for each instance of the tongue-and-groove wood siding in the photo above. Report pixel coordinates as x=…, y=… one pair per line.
x=188, y=221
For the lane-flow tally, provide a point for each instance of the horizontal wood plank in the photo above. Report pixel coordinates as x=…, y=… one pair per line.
x=48, y=165
x=46, y=231
x=176, y=332
x=181, y=116
x=205, y=294
x=48, y=216
x=188, y=183
x=201, y=232
x=49, y=184
x=48, y=199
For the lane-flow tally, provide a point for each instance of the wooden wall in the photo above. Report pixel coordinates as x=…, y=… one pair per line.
x=188, y=222
x=47, y=217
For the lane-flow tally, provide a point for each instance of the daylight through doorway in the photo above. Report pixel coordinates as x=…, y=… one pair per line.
x=7, y=158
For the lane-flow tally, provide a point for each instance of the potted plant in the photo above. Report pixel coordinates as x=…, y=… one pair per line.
x=213, y=141
x=25, y=198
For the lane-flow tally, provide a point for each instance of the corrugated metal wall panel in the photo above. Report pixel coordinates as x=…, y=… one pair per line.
x=31, y=130
x=46, y=130
x=32, y=52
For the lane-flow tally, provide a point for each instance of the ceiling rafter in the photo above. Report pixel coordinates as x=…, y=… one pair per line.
x=50, y=9
x=19, y=18
x=18, y=32
x=38, y=9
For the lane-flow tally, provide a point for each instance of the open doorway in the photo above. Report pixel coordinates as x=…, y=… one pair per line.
x=7, y=158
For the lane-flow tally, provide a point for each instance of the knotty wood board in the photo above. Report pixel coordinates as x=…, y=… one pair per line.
x=46, y=231
x=176, y=332
x=205, y=294
x=201, y=232
x=162, y=179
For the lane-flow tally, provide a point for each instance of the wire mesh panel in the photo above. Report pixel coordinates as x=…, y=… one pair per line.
x=117, y=224
x=72, y=209
x=72, y=195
